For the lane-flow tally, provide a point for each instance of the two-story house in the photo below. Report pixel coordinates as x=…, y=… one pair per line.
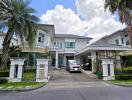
x=61, y=47
x=67, y=46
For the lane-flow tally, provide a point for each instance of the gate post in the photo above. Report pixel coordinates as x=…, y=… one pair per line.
x=108, y=69
x=16, y=67
x=42, y=70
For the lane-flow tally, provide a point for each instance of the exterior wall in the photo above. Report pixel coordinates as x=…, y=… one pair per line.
x=119, y=35
x=79, y=44
x=67, y=52
x=37, y=45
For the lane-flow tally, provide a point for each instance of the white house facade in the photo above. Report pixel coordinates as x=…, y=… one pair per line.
x=63, y=47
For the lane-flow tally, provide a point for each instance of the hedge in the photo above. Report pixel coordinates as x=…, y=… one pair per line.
x=123, y=73
x=3, y=80
x=4, y=74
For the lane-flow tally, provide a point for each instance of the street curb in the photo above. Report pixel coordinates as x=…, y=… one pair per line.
x=118, y=84
x=23, y=90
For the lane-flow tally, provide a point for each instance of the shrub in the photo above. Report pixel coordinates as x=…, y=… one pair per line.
x=99, y=74
x=123, y=74
x=4, y=74
x=3, y=80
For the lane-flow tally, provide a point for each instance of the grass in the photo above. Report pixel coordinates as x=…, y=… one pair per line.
x=121, y=82
x=20, y=85
x=29, y=76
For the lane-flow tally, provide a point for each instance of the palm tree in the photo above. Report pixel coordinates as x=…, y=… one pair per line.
x=18, y=18
x=124, y=9
x=14, y=51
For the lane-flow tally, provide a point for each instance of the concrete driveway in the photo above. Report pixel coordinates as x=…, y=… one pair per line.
x=63, y=79
x=73, y=86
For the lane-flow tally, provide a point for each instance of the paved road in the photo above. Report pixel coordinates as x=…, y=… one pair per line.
x=83, y=88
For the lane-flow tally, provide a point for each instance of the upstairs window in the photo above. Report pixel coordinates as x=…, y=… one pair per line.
x=127, y=40
x=69, y=44
x=117, y=41
x=122, y=40
x=41, y=38
x=58, y=44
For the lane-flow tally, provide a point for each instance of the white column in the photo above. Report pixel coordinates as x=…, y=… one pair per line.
x=118, y=64
x=112, y=73
x=106, y=63
x=93, y=59
x=42, y=70
x=56, y=60
x=105, y=71
x=37, y=72
x=64, y=60
x=19, y=74
x=12, y=71
x=20, y=63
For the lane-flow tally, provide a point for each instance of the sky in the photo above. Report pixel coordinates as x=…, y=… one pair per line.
x=79, y=17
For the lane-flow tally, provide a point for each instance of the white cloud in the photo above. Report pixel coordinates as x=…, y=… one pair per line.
x=96, y=23
x=100, y=22
x=65, y=20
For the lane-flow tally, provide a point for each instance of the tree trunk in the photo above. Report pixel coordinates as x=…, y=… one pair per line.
x=5, y=50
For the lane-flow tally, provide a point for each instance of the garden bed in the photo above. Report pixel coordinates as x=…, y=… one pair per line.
x=121, y=82
x=21, y=85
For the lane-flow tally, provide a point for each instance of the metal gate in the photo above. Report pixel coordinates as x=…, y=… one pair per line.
x=29, y=68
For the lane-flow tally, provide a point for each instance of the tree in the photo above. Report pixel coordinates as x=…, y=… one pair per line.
x=18, y=18
x=124, y=10
x=14, y=51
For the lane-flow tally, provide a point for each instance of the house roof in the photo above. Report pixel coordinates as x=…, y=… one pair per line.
x=125, y=30
x=103, y=46
x=71, y=36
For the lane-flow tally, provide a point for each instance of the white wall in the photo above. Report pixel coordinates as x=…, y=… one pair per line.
x=79, y=44
x=111, y=39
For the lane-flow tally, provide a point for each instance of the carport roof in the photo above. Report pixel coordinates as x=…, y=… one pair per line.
x=103, y=46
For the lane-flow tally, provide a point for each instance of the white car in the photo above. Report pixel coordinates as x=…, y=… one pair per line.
x=73, y=66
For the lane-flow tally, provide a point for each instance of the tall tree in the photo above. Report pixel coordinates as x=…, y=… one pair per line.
x=124, y=10
x=18, y=18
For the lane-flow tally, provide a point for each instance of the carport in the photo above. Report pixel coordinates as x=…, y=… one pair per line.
x=99, y=51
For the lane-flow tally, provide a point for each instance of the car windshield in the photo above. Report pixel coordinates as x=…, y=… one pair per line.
x=74, y=63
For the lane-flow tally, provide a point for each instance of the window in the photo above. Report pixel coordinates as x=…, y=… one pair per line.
x=122, y=40
x=69, y=44
x=127, y=40
x=58, y=44
x=41, y=38
x=117, y=41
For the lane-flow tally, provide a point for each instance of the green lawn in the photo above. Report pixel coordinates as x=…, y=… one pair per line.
x=121, y=82
x=29, y=76
x=20, y=85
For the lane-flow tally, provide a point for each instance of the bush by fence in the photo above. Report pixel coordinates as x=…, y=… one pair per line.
x=123, y=73
x=4, y=73
x=3, y=80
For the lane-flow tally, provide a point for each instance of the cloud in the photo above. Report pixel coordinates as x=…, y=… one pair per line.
x=90, y=20
x=100, y=22
x=65, y=20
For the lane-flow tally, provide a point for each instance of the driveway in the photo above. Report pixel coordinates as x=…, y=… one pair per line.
x=73, y=86
x=63, y=79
